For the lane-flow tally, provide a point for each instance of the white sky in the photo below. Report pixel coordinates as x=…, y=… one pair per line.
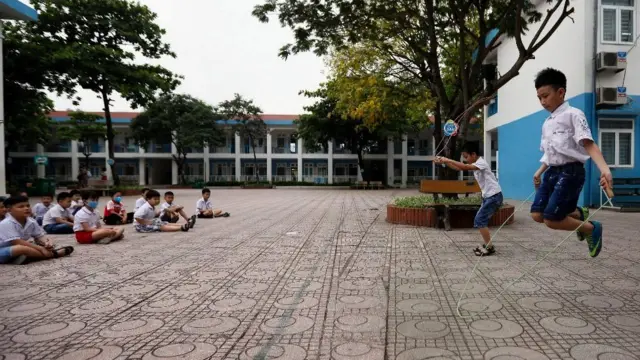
x=221, y=49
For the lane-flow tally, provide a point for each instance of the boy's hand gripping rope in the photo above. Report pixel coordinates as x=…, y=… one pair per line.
x=608, y=193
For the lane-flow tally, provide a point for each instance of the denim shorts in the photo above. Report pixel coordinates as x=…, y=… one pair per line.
x=557, y=196
x=5, y=254
x=489, y=207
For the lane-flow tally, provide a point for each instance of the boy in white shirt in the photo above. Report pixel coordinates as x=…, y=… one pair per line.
x=204, y=207
x=76, y=201
x=491, y=191
x=142, y=199
x=58, y=220
x=86, y=223
x=41, y=208
x=566, y=145
x=171, y=212
x=146, y=217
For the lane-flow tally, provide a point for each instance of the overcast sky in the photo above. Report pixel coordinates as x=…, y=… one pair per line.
x=222, y=50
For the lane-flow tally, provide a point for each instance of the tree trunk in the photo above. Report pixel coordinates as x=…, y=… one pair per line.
x=255, y=158
x=110, y=135
x=365, y=174
x=180, y=162
x=86, y=161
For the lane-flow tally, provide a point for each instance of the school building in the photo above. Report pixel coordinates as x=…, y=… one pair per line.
x=280, y=158
x=597, y=51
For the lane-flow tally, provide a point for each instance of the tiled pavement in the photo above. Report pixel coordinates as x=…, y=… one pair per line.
x=319, y=274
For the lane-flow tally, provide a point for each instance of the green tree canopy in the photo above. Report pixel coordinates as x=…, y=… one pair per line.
x=186, y=122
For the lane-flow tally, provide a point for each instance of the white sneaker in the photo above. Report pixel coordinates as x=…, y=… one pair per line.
x=104, y=241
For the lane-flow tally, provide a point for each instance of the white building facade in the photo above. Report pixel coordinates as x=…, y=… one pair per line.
x=597, y=53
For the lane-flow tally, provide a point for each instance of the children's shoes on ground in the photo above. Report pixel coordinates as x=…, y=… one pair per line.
x=484, y=250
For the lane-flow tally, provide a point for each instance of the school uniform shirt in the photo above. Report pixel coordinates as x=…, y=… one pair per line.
x=203, y=204
x=76, y=204
x=113, y=208
x=139, y=203
x=11, y=229
x=56, y=211
x=87, y=216
x=146, y=212
x=563, y=136
x=486, y=179
x=164, y=207
x=39, y=210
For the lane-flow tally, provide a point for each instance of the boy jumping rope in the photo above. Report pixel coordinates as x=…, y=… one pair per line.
x=566, y=145
x=491, y=192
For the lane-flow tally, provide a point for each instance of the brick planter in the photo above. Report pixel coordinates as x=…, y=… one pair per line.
x=459, y=218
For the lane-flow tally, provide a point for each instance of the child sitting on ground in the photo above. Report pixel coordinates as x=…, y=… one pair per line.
x=42, y=207
x=146, y=221
x=17, y=229
x=491, y=192
x=3, y=209
x=204, y=207
x=58, y=220
x=142, y=199
x=115, y=213
x=76, y=202
x=171, y=212
x=87, y=223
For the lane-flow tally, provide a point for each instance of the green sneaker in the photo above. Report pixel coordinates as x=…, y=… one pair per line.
x=594, y=240
x=584, y=214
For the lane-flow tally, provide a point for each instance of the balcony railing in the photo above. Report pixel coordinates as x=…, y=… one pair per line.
x=278, y=150
x=93, y=148
x=159, y=149
x=316, y=179
x=253, y=178
x=223, y=150
x=341, y=179
x=126, y=148
x=285, y=178
x=62, y=147
x=424, y=151
x=259, y=149
x=194, y=150
x=222, y=178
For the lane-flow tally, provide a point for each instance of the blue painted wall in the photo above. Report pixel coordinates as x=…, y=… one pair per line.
x=519, y=147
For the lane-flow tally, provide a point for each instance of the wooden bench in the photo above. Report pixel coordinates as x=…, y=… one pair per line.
x=626, y=194
x=451, y=187
x=103, y=187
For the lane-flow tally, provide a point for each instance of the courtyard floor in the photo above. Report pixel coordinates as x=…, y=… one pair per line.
x=319, y=274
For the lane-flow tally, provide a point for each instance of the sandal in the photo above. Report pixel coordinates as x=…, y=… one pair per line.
x=192, y=221
x=483, y=251
x=226, y=214
x=185, y=227
x=67, y=251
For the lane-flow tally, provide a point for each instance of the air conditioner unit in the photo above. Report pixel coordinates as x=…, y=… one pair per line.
x=616, y=61
x=611, y=96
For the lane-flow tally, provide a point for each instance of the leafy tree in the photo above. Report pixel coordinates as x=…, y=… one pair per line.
x=94, y=45
x=248, y=121
x=182, y=120
x=430, y=42
x=83, y=127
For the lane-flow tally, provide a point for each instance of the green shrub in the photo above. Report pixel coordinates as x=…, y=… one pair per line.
x=422, y=201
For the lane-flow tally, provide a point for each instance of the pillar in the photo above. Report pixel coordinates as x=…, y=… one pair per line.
x=433, y=163
x=106, y=159
x=300, y=151
x=75, y=162
x=41, y=170
x=207, y=164
x=238, y=162
x=390, y=169
x=269, y=162
x=174, y=166
x=142, y=169
x=487, y=147
x=405, y=160
x=330, y=162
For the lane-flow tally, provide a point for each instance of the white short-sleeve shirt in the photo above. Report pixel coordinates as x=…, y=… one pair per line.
x=11, y=229
x=486, y=179
x=139, y=203
x=85, y=215
x=146, y=212
x=203, y=205
x=563, y=136
x=39, y=210
x=165, y=205
x=57, y=211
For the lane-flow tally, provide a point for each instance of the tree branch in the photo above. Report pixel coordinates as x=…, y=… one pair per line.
x=518, y=31
x=566, y=12
x=432, y=58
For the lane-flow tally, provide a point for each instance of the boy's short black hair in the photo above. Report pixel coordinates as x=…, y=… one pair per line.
x=2, y=199
x=206, y=190
x=551, y=77
x=74, y=192
x=63, y=195
x=168, y=193
x=471, y=147
x=114, y=192
x=49, y=195
x=144, y=190
x=89, y=195
x=152, y=194
x=15, y=200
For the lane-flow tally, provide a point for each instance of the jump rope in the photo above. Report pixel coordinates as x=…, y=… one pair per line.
x=608, y=194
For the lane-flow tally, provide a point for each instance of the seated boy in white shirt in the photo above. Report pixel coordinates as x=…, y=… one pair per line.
x=171, y=212
x=76, y=202
x=86, y=223
x=17, y=229
x=58, y=220
x=141, y=200
x=146, y=217
x=204, y=207
x=41, y=208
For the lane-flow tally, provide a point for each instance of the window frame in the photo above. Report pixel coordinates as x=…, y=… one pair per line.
x=618, y=9
x=617, y=133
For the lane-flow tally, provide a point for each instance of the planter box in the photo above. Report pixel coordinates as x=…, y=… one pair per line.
x=459, y=218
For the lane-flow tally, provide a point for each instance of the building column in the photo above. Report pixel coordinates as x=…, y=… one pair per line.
x=142, y=167
x=41, y=170
x=207, y=164
x=390, y=168
x=405, y=160
x=433, y=163
x=269, y=162
x=238, y=162
x=106, y=159
x=300, y=151
x=174, y=166
x=330, y=162
x=488, y=136
x=75, y=162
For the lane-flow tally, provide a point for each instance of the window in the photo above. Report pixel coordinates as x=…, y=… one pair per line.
x=616, y=142
x=618, y=21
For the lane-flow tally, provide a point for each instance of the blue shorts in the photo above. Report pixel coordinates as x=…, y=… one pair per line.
x=5, y=254
x=489, y=207
x=557, y=196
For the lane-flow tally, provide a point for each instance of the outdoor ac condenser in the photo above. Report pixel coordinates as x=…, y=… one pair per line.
x=616, y=61
x=611, y=95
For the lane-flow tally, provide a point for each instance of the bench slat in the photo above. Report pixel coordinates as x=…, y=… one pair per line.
x=449, y=186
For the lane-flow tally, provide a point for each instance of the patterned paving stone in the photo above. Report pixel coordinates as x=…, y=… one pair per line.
x=319, y=274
